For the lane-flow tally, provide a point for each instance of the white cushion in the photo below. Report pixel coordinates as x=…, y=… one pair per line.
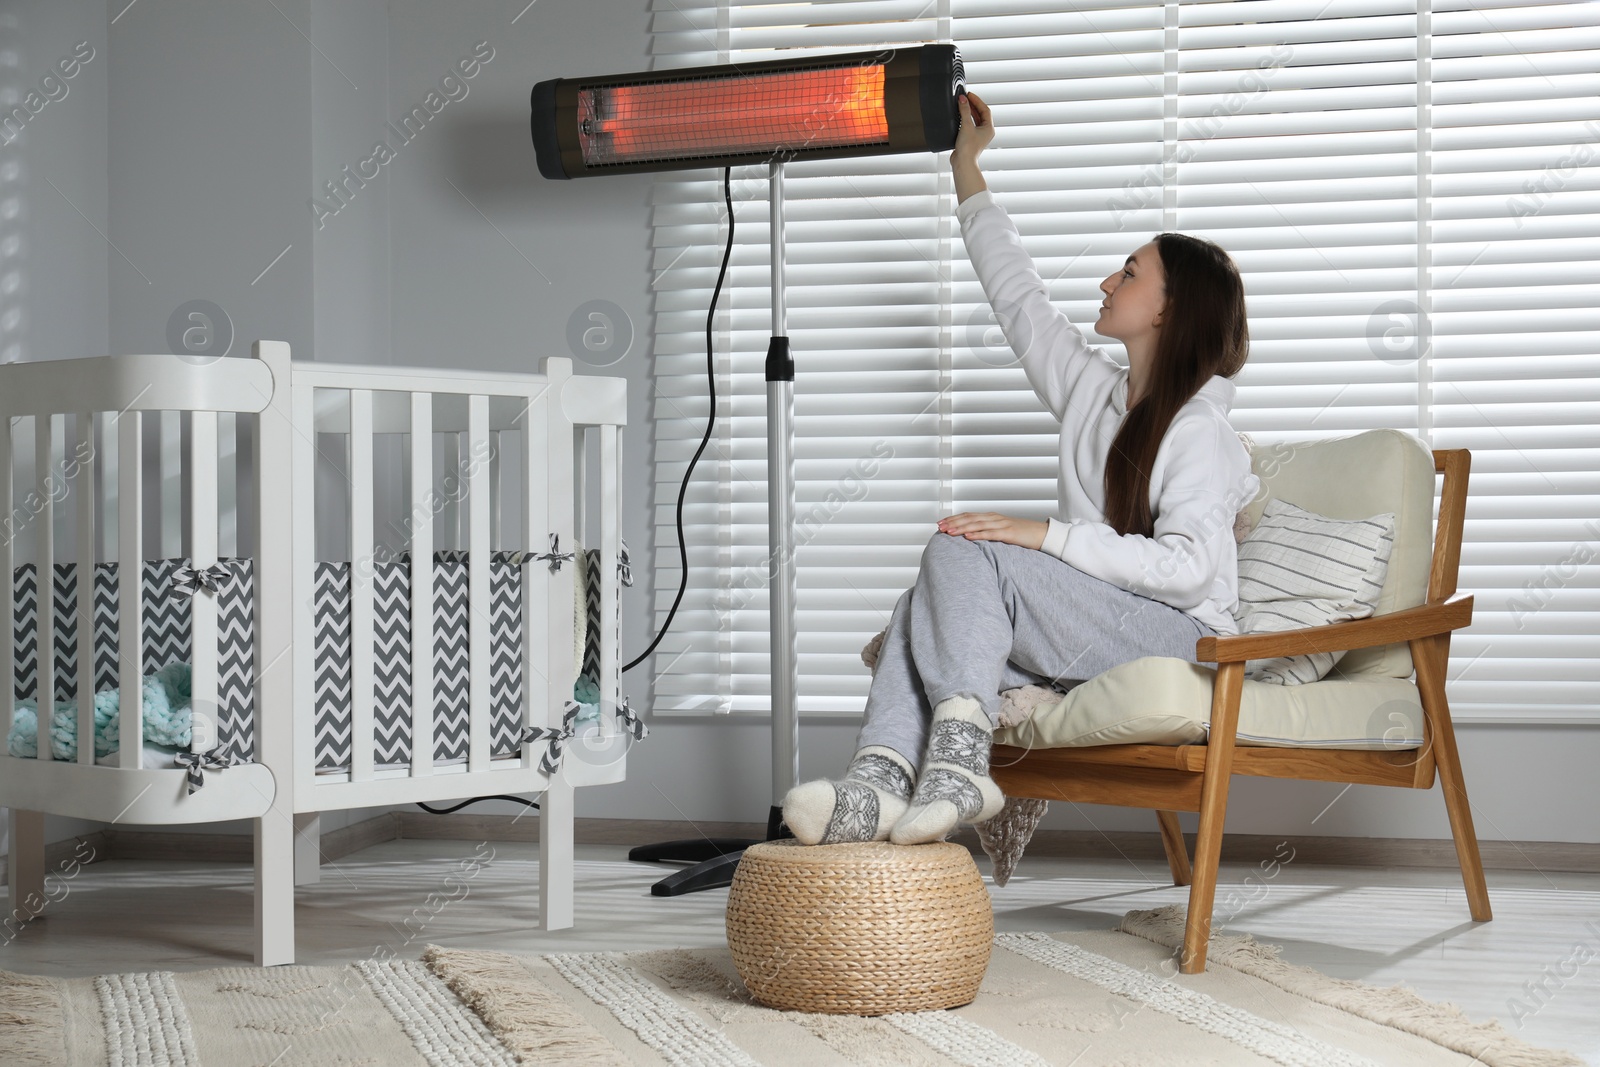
x=1162, y=700
x=1300, y=569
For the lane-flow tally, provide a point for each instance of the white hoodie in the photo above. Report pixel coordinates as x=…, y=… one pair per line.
x=1201, y=477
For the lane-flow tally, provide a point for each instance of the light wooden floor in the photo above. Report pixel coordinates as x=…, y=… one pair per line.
x=1381, y=926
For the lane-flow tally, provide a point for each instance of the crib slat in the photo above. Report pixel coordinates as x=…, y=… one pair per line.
x=303, y=459
x=83, y=487
x=566, y=522
x=45, y=564
x=421, y=522
x=130, y=582
x=362, y=736
x=105, y=478
x=479, y=632
x=580, y=494
x=202, y=538
x=536, y=658
x=8, y=533
x=610, y=679
x=228, y=484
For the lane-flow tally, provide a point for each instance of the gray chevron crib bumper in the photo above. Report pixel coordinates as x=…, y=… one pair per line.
x=166, y=639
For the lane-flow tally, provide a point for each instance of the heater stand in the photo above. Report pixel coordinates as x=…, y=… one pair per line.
x=715, y=859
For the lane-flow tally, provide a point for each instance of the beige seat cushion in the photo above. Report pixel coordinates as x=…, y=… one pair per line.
x=1160, y=700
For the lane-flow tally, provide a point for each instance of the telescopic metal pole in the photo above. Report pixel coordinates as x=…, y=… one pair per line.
x=714, y=860
x=780, y=526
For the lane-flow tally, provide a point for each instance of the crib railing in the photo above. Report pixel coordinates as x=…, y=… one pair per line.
x=89, y=463
x=545, y=417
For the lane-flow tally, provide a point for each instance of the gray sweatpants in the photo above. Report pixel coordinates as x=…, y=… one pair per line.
x=985, y=616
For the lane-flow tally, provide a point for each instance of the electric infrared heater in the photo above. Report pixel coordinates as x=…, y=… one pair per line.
x=816, y=107
x=772, y=112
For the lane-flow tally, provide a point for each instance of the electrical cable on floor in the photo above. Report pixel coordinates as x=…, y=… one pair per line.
x=711, y=418
x=476, y=800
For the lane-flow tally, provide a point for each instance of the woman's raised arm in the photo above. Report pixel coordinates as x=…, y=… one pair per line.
x=1053, y=352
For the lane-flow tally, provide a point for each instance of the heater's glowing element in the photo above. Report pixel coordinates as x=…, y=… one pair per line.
x=761, y=113
x=805, y=107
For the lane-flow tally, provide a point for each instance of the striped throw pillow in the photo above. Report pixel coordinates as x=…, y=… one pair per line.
x=1299, y=569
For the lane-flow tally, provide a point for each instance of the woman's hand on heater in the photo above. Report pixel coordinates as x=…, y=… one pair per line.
x=991, y=526
x=977, y=128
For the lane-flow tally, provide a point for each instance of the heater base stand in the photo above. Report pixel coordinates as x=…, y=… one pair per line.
x=714, y=859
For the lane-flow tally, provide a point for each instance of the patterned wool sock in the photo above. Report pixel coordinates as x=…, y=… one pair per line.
x=954, y=786
x=861, y=806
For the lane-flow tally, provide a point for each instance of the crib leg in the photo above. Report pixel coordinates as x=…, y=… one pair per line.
x=25, y=866
x=307, y=848
x=556, y=814
x=274, y=889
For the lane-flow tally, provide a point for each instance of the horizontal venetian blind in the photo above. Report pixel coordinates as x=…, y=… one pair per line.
x=1513, y=312
x=1361, y=161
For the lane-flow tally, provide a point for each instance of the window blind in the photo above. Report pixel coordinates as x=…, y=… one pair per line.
x=1411, y=191
x=1513, y=315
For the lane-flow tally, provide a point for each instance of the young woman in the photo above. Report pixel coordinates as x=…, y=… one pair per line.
x=1140, y=562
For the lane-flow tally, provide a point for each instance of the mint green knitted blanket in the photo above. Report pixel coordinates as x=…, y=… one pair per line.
x=167, y=718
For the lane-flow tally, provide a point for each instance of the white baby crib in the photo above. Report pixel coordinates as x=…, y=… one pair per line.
x=317, y=680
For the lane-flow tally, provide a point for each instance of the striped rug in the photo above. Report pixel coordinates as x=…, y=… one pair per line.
x=1085, y=999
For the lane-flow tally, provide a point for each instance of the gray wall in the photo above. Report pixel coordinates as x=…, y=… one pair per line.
x=221, y=122
x=53, y=186
x=349, y=251
x=53, y=196
x=209, y=133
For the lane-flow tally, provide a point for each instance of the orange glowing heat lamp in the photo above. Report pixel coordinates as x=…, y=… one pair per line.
x=854, y=104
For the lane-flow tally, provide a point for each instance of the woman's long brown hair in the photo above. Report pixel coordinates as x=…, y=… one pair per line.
x=1203, y=333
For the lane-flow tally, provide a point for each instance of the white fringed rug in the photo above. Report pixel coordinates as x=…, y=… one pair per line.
x=1086, y=999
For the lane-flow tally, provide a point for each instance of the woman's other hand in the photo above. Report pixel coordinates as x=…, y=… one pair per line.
x=977, y=128
x=990, y=526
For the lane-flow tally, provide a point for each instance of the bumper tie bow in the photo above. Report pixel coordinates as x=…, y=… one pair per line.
x=188, y=580
x=551, y=761
x=194, y=763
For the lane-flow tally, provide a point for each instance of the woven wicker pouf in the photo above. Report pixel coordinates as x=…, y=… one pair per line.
x=860, y=929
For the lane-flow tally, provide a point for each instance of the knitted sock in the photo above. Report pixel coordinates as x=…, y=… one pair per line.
x=861, y=806
x=954, y=785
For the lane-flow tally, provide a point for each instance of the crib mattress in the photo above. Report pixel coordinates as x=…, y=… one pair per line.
x=166, y=639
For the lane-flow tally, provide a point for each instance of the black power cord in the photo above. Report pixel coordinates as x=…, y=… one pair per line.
x=711, y=418
x=475, y=800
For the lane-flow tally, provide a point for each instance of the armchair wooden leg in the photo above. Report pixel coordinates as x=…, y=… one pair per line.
x=1172, y=842
x=1213, y=812
x=1431, y=655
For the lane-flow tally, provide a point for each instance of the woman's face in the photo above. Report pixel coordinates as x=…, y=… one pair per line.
x=1135, y=297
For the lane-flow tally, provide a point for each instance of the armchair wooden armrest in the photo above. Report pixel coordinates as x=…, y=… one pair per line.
x=1424, y=620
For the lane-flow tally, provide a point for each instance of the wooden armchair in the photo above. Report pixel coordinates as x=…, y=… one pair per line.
x=1194, y=777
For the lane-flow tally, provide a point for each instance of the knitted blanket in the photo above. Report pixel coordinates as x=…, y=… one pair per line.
x=167, y=718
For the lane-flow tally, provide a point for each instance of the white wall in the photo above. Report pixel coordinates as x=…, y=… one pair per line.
x=221, y=122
